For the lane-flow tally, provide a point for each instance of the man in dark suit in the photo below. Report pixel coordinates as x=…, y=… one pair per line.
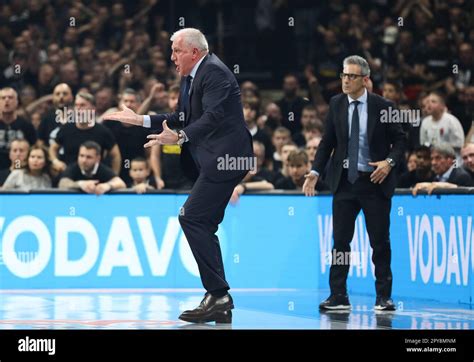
x=216, y=153
x=446, y=174
x=365, y=149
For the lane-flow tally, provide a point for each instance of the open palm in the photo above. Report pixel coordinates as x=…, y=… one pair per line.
x=126, y=116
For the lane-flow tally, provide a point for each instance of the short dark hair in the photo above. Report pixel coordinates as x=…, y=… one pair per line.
x=440, y=96
x=298, y=157
x=91, y=145
x=424, y=150
x=140, y=159
x=396, y=84
x=310, y=107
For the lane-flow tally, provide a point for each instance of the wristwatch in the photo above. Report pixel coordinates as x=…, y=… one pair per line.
x=181, y=138
x=390, y=161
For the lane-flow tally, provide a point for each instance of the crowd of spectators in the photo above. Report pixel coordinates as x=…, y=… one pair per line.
x=66, y=63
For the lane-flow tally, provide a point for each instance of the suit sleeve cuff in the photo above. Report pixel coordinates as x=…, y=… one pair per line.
x=146, y=121
x=185, y=137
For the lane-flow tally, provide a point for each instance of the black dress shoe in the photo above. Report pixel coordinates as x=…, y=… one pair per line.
x=336, y=302
x=211, y=309
x=384, y=304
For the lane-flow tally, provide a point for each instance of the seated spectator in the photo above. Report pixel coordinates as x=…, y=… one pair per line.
x=467, y=154
x=35, y=175
x=292, y=104
x=311, y=129
x=299, y=166
x=281, y=137
x=446, y=175
x=285, y=151
x=140, y=176
x=89, y=174
x=56, y=117
x=18, y=156
x=411, y=162
x=440, y=126
x=130, y=139
x=422, y=172
x=271, y=119
x=11, y=125
x=312, y=147
x=72, y=135
x=261, y=172
x=250, y=116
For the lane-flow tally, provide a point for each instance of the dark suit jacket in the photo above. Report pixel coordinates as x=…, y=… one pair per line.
x=385, y=140
x=214, y=125
x=460, y=177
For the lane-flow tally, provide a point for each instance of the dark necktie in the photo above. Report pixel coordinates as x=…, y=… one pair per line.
x=186, y=93
x=353, y=150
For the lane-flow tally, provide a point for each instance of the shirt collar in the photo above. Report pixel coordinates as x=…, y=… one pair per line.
x=253, y=131
x=445, y=176
x=94, y=171
x=361, y=99
x=196, y=66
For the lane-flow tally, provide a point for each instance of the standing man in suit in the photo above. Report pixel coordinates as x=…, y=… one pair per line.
x=364, y=149
x=213, y=130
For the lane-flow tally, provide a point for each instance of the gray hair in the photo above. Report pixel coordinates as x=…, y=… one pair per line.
x=133, y=92
x=444, y=149
x=357, y=60
x=192, y=37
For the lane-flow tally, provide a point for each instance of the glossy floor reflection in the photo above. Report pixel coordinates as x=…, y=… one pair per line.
x=158, y=309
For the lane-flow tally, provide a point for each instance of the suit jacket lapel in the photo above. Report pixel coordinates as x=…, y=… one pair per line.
x=371, y=117
x=342, y=115
x=195, y=80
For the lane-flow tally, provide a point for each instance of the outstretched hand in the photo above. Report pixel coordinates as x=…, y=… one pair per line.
x=167, y=137
x=309, y=184
x=126, y=115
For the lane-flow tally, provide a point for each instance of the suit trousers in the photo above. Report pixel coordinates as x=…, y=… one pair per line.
x=201, y=215
x=347, y=203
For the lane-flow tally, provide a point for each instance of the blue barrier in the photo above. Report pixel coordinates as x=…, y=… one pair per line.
x=284, y=241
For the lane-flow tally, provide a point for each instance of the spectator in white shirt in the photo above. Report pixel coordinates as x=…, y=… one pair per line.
x=440, y=126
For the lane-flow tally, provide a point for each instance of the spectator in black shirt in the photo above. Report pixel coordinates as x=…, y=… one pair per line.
x=292, y=104
x=422, y=172
x=83, y=129
x=89, y=174
x=11, y=126
x=56, y=117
